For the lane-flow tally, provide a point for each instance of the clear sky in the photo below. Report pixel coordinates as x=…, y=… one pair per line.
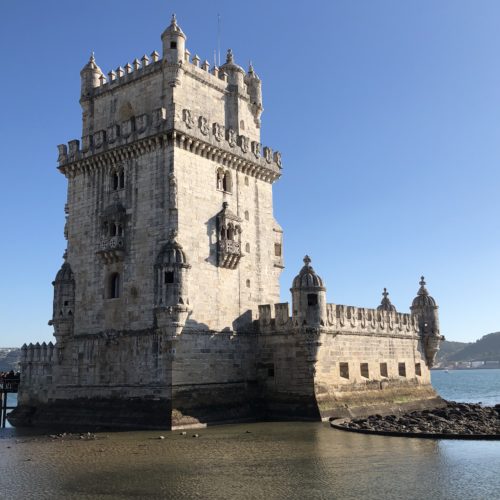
x=386, y=114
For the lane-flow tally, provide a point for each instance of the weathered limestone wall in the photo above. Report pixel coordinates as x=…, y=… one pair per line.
x=214, y=378
x=225, y=298
x=144, y=198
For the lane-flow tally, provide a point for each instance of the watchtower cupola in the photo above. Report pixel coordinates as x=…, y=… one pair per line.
x=426, y=309
x=174, y=42
x=308, y=297
x=90, y=77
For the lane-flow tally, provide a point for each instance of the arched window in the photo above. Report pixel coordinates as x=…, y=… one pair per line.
x=242, y=125
x=248, y=283
x=220, y=179
x=118, y=180
x=230, y=232
x=226, y=182
x=247, y=248
x=112, y=231
x=247, y=215
x=246, y=181
x=114, y=286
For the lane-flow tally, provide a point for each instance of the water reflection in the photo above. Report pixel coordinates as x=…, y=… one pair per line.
x=265, y=460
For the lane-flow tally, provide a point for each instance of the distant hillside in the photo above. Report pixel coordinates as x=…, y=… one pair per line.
x=487, y=348
x=448, y=349
x=9, y=358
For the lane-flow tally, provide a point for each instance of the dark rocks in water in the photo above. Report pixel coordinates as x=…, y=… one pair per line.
x=454, y=419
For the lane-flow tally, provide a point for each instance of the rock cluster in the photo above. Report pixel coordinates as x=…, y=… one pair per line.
x=454, y=419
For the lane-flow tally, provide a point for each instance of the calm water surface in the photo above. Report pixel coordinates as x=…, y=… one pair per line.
x=261, y=461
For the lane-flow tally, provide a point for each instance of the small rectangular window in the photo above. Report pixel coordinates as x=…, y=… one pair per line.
x=364, y=370
x=312, y=299
x=173, y=45
x=270, y=372
x=344, y=370
x=418, y=369
x=383, y=370
x=169, y=277
x=277, y=249
x=402, y=369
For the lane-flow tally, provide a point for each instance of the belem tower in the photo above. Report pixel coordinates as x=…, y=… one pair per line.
x=167, y=308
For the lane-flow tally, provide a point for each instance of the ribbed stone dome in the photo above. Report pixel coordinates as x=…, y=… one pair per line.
x=173, y=254
x=174, y=28
x=64, y=274
x=307, y=278
x=423, y=298
x=386, y=304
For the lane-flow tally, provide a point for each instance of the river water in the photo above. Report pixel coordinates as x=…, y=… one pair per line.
x=262, y=461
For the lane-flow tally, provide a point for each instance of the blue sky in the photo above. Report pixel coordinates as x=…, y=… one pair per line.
x=386, y=114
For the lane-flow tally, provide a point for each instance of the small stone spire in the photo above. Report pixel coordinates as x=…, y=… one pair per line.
x=229, y=57
x=422, y=290
x=307, y=261
x=386, y=304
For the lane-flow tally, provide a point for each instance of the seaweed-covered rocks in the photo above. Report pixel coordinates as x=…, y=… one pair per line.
x=460, y=419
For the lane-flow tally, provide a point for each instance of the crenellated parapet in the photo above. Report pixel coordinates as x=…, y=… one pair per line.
x=38, y=354
x=147, y=131
x=341, y=319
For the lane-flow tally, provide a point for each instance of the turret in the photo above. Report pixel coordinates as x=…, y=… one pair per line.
x=90, y=77
x=174, y=43
x=64, y=302
x=171, y=291
x=254, y=86
x=308, y=297
x=425, y=308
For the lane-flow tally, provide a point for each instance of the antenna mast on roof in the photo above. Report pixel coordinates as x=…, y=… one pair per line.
x=218, y=36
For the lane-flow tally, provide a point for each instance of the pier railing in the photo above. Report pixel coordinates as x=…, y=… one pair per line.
x=7, y=386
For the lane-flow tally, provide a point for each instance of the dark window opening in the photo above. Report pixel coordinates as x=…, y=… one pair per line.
x=116, y=182
x=402, y=369
x=169, y=277
x=173, y=45
x=418, y=369
x=122, y=179
x=270, y=372
x=66, y=303
x=383, y=370
x=344, y=370
x=364, y=370
x=312, y=299
x=113, y=230
x=277, y=249
x=114, y=286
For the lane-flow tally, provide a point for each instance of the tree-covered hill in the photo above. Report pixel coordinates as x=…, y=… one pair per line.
x=487, y=348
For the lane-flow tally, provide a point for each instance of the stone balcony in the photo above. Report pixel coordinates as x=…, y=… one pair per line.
x=229, y=253
x=111, y=249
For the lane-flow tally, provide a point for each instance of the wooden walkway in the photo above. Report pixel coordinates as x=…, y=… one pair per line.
x=6, y=387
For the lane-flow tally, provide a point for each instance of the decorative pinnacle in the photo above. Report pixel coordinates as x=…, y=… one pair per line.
x=173, y=21
x=385, y=293
x=173, y=234
x=250, y=68
x=307, y=260
x=422, y=281
x=229, y=56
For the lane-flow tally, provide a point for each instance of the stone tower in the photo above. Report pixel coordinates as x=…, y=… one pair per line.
x=171, y=147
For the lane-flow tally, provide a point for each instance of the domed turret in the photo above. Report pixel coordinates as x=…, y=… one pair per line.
x=308, y=297
x=386, y=304
x=90, y=77
x=64, y=302
x=174, y=42
x=423, y=299
x=171, y=288
x=425, y=308
x=235, y=73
